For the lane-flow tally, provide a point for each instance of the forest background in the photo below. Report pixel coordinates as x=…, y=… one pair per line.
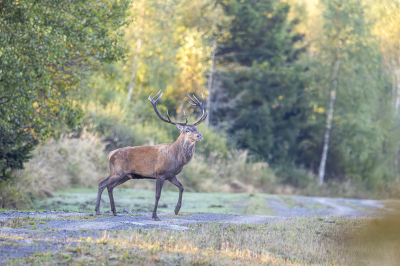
x=303, y=96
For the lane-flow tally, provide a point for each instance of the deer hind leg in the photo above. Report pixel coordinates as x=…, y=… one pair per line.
x=159, y=185
x=102, y=185
x=175, y=181
x=123, y=178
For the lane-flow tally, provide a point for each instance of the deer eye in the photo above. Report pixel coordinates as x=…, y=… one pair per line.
x=187, y=131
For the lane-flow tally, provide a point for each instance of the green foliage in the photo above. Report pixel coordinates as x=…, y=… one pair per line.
x=44, y=48
x=265, y=79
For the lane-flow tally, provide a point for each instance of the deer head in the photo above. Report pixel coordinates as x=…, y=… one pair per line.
x=189, y=131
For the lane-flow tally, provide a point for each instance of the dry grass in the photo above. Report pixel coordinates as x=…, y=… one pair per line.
x=303, y=241
x=65, y=163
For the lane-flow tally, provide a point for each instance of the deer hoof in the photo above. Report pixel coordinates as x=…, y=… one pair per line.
x=98, y=213
x=115, y=214
x=177, y=208
x=155, y=217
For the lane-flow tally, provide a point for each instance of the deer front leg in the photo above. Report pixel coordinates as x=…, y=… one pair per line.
x=175, y=181
x=159, y=185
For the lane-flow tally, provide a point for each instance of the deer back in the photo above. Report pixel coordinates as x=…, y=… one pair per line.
x=139, y=160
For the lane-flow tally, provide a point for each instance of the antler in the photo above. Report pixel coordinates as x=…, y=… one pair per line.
x=154, y=103
x=196, y=102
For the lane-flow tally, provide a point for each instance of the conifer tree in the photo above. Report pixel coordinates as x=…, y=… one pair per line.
x=261, y=77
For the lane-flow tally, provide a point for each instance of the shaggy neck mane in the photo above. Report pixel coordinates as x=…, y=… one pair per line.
x=184, y=149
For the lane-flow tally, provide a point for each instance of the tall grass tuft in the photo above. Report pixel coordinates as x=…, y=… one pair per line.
x=64, y=163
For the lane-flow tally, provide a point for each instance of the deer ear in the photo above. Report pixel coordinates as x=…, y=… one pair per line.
x=179, y=127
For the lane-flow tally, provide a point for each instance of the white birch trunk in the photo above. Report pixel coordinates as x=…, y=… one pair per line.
x=397, y=84
x=136, y=57
x=134, y=67
x=321, y=171
x=209, y=85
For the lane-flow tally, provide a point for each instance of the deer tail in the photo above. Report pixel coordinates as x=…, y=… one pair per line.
x=111, y=153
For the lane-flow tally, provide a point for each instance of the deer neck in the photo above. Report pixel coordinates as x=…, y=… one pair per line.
x=183, y=149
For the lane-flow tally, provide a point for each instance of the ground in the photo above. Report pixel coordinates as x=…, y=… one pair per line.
x=213, y=228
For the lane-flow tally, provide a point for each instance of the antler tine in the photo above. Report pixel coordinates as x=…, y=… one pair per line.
x=192, y=102
x=152, y=99
x=158, y=97
x=184, y=113
x=195, y=100
x=168, y=116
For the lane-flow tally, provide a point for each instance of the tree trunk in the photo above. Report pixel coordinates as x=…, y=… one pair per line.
x=136, y=57
x=134, y=67
x=209, y=85
x=321, y=171
x=397, y=84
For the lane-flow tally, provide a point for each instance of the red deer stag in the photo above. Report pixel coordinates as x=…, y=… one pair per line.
x=161, y=162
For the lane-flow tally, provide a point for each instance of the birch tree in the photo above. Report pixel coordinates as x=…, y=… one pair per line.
x=350, y=59
x=321, y=171
x=210, y=82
